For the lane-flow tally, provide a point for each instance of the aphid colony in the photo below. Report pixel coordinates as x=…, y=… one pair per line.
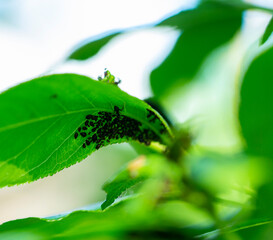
x=105, y=127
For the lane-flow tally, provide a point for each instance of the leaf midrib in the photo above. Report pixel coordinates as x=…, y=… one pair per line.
x=13, y=126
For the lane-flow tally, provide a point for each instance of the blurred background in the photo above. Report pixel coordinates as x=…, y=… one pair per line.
x=35, y=38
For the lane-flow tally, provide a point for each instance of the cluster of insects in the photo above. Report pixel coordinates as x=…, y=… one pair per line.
x=106, y=127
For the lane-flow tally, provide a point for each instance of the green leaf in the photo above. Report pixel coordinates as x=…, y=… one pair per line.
x=154, y=167
x=241, y=4
x=268, y=32
x=250, y=229
x=259, y=224
x=256, y=117
x=91, y=47
x=204, y=29
x=55, y=121
x=114, y=223
x=253, y=229
x=256, y=108
x=129, y=176
x=77, y=225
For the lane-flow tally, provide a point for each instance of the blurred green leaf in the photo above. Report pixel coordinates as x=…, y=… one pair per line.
x=91, y=47
x=259, y=224
x=220, y=173
x=256, y=108
x=77, y=225
x=205, y=28
x=268, y=31
x=241, y=4
x=253, y=229
x=153, y=166
x=133, y=174
x=256, y=221
x=136, y=171
x=114, y=223
x=264, y=201
x=53, y=122
x=249, y=229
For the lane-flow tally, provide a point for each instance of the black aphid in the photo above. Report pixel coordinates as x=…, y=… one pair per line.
x=117, y=110
x=84, y=146
x=98, y=146
x=88, y=116
x=118, y=82
x=84, y=128
x=94, y=117
x=94, y=137
x=83, y=134
x=76, y=135
x=140, y=139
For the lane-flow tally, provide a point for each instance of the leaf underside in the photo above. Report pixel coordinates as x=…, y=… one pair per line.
x=53, y=122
